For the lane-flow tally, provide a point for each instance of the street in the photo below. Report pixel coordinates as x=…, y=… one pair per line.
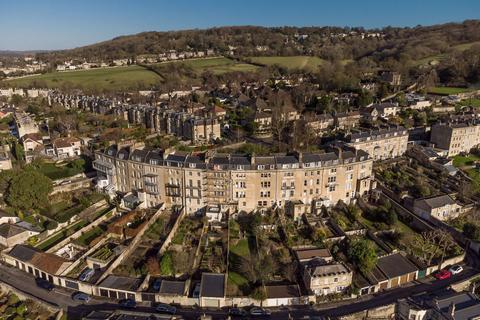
x=61, y=297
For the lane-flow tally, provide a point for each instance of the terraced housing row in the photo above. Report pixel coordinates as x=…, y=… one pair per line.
x=239, y=182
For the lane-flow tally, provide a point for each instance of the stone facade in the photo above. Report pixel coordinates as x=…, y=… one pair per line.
x=382, y=143
x=244, y=183
x=456, y=137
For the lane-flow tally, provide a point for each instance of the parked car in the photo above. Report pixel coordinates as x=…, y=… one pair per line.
x=86, y=274
x=80, y=296
x=257, y=311
x=166, y=308
x=156, y=285
x=443, y=274
x=237, y=312
x=196, y=291
x=44, y=284
x=455, y=269
x=128, y=303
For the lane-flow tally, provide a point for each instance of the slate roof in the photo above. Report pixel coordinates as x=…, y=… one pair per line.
x=467, y=306
x=395, y=265
x=212, y=285
x=283, y=291
x=438, y=201
x=23, y=253
x=8, y=230
x=303, y=254
x=121, y=283
x=378, y=134
x=169, y=287
x=317, y=268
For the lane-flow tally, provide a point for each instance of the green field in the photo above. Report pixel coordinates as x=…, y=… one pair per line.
x=292, y=62
x=217, y=65
x=439, y=57
x=117, y=78
x=447, y=90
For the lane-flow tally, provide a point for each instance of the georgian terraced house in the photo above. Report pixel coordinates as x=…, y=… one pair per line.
x=236, y=181
x=456, y=137
x=381, y=144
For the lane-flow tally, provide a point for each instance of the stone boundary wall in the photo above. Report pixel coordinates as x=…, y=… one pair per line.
x=78, y=233
x=27, y=296
x=132, y=245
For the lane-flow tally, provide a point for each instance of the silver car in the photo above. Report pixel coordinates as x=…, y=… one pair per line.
x=81, y=297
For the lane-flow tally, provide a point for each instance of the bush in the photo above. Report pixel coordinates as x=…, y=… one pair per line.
x=50, y=224
x=362, y=253
x=259, y=294
x=471, y=231
x=166, y=264
x=13, y=299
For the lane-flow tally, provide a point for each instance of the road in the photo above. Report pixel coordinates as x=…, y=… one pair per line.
x=61, y=297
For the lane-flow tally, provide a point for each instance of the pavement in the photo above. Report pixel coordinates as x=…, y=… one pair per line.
x=61, y=297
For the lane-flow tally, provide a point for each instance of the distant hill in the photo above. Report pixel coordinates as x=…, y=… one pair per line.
x=325, y=42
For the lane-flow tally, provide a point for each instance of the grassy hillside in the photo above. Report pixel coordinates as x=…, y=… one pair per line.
x=439, y=57
x=217, y=65
x=130, y=77
x=117, y=78
x=293, y=62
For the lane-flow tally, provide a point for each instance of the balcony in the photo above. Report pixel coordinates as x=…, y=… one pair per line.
x=104, y=167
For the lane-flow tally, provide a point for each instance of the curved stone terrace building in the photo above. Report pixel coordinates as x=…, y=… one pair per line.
x=239, y=182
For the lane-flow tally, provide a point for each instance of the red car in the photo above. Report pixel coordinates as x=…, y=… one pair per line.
x=443, y=274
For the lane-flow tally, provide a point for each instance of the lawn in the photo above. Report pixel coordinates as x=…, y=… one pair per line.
x=241, y=248
x=59, y=236
x=475, y=175
x=447, y=90
x=461, y=161
x=292, y=62
x=237, y=279
x=117, y=78
x=218, y=65
x=65, y=209
x=471, y=103
x=55, y=172
x=186, y=232
x=86, y=238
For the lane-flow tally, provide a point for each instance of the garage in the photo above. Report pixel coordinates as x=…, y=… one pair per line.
x=212, y=303
x=282, y=295
x=383, y=285
x=212, y=289
x=394, y=282
x=397, y=268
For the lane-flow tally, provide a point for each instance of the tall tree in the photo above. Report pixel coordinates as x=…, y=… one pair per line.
x=28, y=189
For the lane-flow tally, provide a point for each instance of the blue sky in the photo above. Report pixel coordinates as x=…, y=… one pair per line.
x=57, y=24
